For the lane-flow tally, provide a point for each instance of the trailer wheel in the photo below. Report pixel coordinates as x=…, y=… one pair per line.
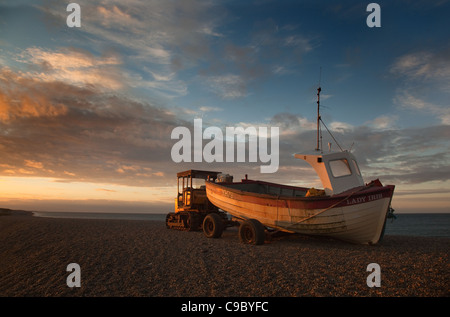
x=213, y=226
x=251, y=231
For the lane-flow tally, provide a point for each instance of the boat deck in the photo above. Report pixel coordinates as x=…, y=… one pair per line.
x=273, y=189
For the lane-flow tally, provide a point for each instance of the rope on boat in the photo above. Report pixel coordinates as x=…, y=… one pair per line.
x=328, y=208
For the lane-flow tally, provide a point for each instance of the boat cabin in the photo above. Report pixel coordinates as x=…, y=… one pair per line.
x=338, y=171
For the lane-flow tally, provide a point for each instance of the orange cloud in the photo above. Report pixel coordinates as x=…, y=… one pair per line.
x=68, y=58
x=34, y=164
x=17, y=103
x=74, y=66
x=24, y=171
x=24, y=106
x=76, y=133
x=114, y=14
x=105, y=190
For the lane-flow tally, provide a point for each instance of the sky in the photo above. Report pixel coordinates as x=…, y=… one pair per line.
x=87, y=113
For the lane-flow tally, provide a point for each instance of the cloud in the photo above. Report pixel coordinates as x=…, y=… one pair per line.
x=160, y=40
x=158, y=28
x=385, y=122
x=341, y=126
x=67, y=58
x=423, y=65
x=60, y=130
x=67, y=115
x=405, y=156
x=228, y=86
x=114, y=15
x=156, y=39
x=25, y=171
x=34, y=164
x=266, y=50
x=73, y=66
x=426, y=78
x=407, y=100
x=209, y=109
x=393, y=154
x=87, y=134
x=105, y=190
x=291, y=124
x=15, y=103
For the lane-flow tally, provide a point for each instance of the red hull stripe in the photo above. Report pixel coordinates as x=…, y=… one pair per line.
x=351, y=197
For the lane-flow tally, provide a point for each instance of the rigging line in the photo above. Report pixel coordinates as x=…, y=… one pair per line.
x=321, y=139
x=328, y=208
x=331, y=134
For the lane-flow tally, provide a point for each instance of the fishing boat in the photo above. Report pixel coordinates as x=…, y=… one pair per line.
x=346, y=208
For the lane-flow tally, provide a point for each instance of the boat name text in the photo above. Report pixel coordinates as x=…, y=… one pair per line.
x=363, y=199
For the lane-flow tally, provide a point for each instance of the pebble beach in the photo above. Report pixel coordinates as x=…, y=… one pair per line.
x=132, y=258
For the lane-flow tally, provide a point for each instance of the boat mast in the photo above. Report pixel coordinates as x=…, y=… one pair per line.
x=318, y=118
x=319, y=132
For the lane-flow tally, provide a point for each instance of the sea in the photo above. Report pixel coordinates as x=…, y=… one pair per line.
x=414, y=224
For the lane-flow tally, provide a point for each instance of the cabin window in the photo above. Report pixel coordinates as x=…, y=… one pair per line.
x=356, y=167
x=340, y=168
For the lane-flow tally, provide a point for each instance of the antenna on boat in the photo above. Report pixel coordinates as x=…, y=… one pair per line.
x=319, y=135
x=319, y=119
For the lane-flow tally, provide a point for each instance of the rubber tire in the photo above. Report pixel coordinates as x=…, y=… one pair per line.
x=193, y=222
x=213, y=226
x=168, y=216
x=252, y=231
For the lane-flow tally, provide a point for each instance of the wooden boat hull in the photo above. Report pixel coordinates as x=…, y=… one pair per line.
x=356, y=216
